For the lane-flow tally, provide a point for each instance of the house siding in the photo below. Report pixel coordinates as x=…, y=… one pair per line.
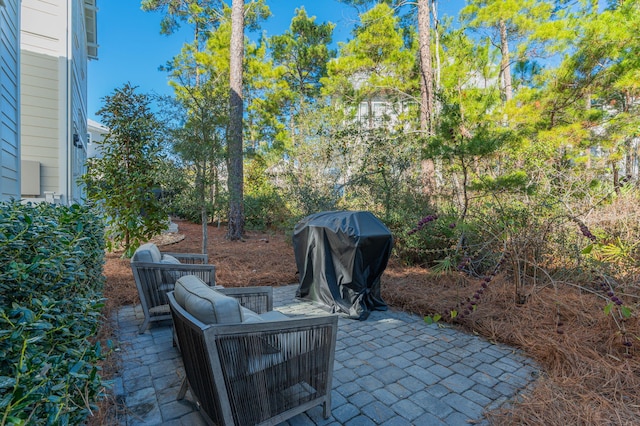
x=78, y=82
x=41, y=130
x=9, y=100
x=54, y=94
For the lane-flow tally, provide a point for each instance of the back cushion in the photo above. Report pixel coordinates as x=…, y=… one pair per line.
x=167, y=258
x=170, y=276
x=206, y=304
x=147, y=253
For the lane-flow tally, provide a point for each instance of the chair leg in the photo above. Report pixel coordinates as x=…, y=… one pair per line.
x=326, y=409
x=143, y=327
x=183, y=389
x=174, y=340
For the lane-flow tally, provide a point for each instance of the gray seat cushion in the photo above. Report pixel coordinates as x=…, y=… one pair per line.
x=248, y=316
x=205, y=303
x=147, y=253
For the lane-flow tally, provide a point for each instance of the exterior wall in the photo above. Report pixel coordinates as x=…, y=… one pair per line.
x=9, y=99
x=380, y=111
x=54, y=94
x=78, y=110
x=97, y=132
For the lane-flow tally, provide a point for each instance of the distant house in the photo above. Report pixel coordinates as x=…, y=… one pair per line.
x=58, y=37
x=9, y=99
x=382, y=108
x=97, y=132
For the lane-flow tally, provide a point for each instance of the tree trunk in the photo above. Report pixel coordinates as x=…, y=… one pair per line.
x=200, y=178
x=426, y=69
x=236, y=176
x=434, y=11
x=426, y=89
x=201, y=173
x=292, y=125
x=505, y=65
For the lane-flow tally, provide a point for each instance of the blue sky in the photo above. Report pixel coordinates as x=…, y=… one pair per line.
x=131, y=47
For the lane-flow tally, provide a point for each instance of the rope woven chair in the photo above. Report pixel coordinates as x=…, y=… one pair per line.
x=256, y=372
x=156, y=273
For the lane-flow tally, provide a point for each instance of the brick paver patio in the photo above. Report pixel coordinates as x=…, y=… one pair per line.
x=392, y=369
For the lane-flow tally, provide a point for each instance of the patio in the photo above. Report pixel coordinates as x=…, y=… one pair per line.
x=392, y=369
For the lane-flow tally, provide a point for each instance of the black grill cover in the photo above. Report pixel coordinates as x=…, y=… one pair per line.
x=340, y=257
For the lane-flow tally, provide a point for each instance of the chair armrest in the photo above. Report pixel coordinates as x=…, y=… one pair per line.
x=171, y=272
x=258, y=299
x=189, y=258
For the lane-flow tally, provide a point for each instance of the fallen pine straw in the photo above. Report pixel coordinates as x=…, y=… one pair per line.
x=587, y=377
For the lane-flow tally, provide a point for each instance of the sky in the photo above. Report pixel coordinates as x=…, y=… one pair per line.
x=131, y=47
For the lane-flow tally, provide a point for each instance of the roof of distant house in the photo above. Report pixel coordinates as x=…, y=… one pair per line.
x=95, y=125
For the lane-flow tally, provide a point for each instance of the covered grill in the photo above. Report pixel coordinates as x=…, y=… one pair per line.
x=341, y=256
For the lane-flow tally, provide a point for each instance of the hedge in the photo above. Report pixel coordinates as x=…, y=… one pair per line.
x=51, y=260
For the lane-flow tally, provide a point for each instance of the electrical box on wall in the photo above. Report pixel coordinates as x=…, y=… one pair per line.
x=30, y=178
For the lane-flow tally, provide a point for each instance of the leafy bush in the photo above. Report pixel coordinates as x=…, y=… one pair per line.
x=50, y=298
x=125, y=179
x=266, y=211
x=265, y=207
x=185, y=205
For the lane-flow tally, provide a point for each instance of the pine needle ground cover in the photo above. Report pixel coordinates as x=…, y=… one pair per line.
x=588, y=375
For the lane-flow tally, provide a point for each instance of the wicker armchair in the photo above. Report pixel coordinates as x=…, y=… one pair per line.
x=155, y=274
x=260, y=372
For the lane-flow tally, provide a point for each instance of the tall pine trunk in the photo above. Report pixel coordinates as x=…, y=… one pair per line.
x=434, y=12
x=505, y=65
x=236, y=175
x=426, y=89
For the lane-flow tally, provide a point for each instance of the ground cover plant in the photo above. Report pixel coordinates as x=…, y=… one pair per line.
x=51, y=285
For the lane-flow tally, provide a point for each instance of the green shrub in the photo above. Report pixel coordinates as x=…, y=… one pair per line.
x=51, y=282
x=266, y=211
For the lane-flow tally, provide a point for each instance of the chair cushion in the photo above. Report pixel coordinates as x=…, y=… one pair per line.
x=167, y=258
x=170, y=276
x=248, y=316
x=206, y=304
x=147, y=253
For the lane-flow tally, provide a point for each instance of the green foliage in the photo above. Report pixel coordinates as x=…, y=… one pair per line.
x=432, y=319
x=303, y=51
x=619, y=251
x=300, y=58
x=381, y=174
x=515, y=181
x=304, y=196
x=264, y=206
x=509, y=177
x=431, y=245
x=50, y=299
x=375, y=61
x=198, y=12
x=122, y=182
